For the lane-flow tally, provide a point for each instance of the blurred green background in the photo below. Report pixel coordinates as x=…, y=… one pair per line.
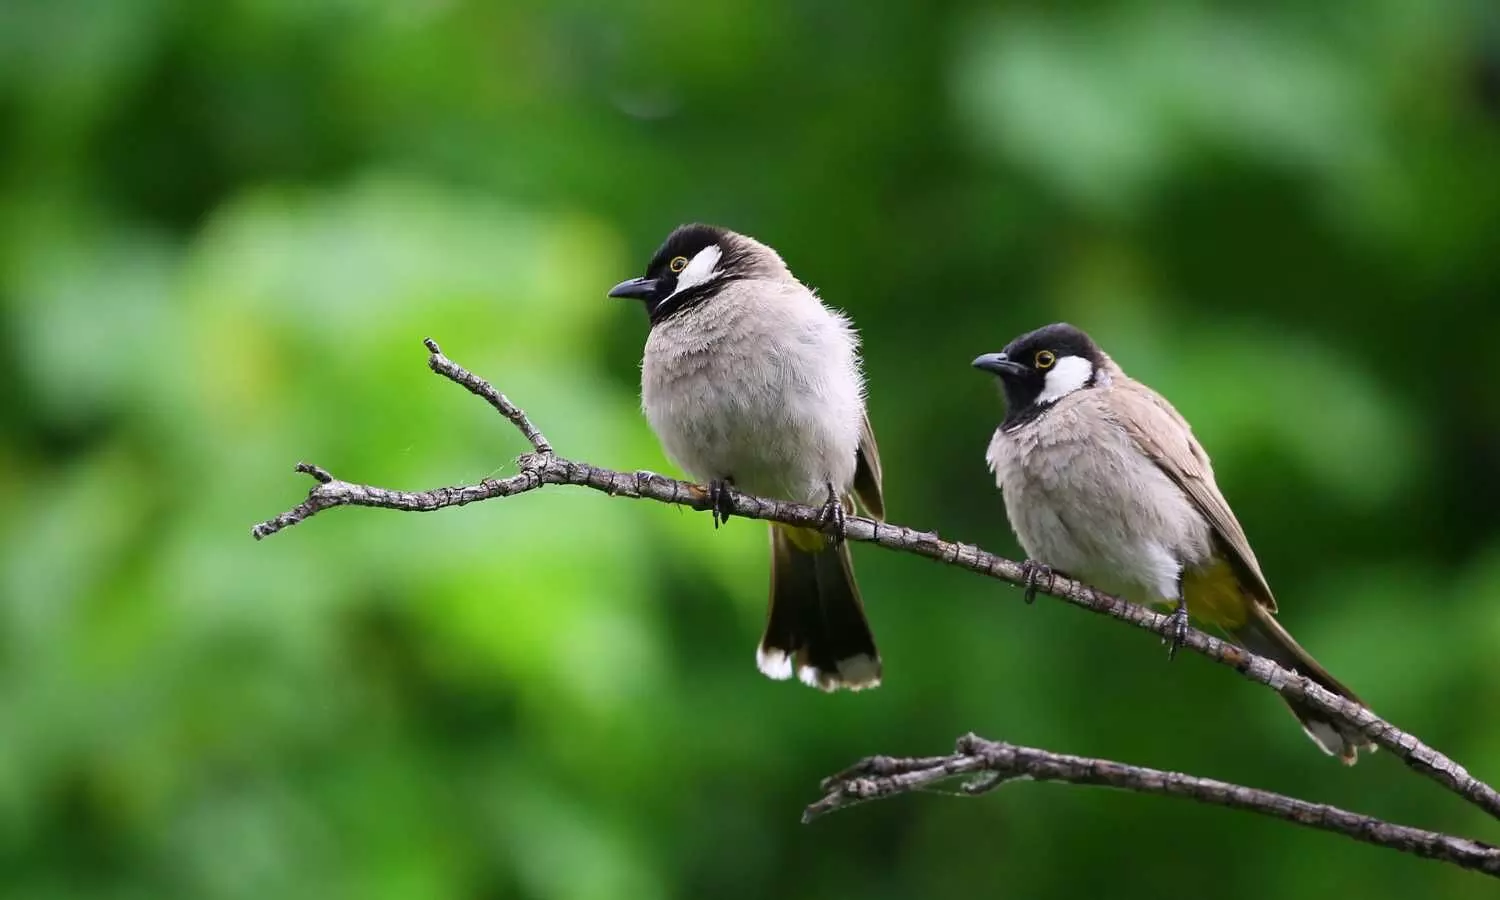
x=225, y=228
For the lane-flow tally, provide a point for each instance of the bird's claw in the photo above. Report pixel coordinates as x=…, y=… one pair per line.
x=832, y=519
x=1033, y=572
x=1177, y=621
x=721, y=498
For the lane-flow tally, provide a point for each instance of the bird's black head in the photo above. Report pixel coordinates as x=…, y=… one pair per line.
x=690, y=266
x=1041, y=367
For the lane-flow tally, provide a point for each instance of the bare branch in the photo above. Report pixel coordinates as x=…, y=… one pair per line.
x=477, y=386
x=998, y=763
x=330, y=492
x=544, y=467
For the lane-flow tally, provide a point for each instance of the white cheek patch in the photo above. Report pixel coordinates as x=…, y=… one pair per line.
x=700, y=269
x=1066, y=376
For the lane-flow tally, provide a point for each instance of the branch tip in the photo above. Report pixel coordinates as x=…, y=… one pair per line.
x=432, y=346
x=318, y=472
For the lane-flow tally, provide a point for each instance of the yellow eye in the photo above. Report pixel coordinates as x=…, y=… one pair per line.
x=1045, y=359
x=677, y=264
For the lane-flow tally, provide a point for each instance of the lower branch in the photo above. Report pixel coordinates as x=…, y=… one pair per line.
x=991, y=764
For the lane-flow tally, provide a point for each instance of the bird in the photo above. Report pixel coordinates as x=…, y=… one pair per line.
x=1103, y=480
x=752, y=384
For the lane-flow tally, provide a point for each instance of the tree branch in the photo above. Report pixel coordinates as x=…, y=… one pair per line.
x=544, y=467
x=477, y=386
x=996, y=763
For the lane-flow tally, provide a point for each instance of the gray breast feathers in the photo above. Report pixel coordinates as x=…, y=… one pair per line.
x=761, y=384
x=1083, y=498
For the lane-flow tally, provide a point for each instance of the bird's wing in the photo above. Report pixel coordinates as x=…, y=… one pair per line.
x=867, y=476
x=1166, y=438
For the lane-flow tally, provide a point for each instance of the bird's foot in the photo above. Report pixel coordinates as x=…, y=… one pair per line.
x=832, y=519
x=1033, y=572
x=721, y=496
x=1178, y=622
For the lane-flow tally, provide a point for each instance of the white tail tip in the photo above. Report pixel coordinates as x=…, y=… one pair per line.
x=854, y=674
x=773, y=663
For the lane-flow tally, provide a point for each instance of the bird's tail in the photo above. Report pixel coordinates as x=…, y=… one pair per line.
x=816, y=625
x=1262, y=634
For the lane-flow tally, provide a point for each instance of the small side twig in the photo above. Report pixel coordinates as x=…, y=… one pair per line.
x=477, y=386
x=881, y=777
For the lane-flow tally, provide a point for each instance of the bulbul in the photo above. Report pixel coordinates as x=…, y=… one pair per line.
x=751, y=383
x=1104, y=480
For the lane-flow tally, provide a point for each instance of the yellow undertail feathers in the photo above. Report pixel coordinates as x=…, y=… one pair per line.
x=1214, y=596
x=805, y=539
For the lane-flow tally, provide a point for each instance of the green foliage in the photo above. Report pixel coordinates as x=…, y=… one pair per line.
x=224, y=229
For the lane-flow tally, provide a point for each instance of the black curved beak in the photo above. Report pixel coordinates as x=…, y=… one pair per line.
x=635, y=287
x=999, y=364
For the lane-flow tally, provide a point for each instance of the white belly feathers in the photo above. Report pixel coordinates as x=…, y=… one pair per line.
x=762, y=385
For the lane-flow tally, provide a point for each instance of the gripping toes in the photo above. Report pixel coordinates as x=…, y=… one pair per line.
x=1178, y=622
x=721, y=496
x=832, y=519
x=1034, y=572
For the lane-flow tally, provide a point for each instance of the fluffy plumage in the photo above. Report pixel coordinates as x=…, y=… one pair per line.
x=762, y=384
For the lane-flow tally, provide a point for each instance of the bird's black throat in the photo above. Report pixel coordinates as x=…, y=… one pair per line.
x=665, y=305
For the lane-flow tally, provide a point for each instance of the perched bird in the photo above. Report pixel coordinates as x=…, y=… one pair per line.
x=752, y=384
x=1103, y=480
